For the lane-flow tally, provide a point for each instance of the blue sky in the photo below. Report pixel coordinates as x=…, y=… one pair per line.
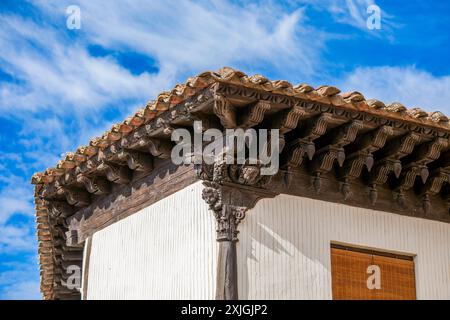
x=60, y=87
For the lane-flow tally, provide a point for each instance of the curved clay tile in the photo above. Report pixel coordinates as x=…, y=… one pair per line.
x=258, y=79
x=303, y=88
x=417, y=113
x=438, y=116
x=327, y=91
x=375, y=104
x=395, y=107
x=353, y=96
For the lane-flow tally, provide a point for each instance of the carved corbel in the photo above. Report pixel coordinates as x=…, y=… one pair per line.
x=60, y=209
x=436, y=180
x=136, y=160
x=433, y=186
x=115, y=173
x=95, y=185
x=389, y=162
x=160, y=148
x=360, y=155
x=255, y=114
x=298, y=148
x=225, y=111
x=416, y=164
x=333, y=150
x=288, y=120
x=77, y=197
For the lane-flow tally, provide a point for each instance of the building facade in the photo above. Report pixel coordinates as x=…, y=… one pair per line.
x=359, y=208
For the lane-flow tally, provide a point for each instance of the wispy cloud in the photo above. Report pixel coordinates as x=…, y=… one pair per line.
x=183, y=36
x=408, y=85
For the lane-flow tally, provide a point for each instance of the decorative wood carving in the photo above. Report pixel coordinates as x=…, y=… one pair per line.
x=95, y=185
x=416, y=164
x=136, y=160
x=298, y=148
x=160, y=148
x=288, y=120
x=115, y=173
x=333, y=150
x=77, y=197
x=364, y=147
x=225, y=111
x=60, y=209
x=230, y=190
x=255, y=114
x=389, y=158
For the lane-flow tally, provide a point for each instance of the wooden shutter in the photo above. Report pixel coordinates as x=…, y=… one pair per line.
x=349, y=275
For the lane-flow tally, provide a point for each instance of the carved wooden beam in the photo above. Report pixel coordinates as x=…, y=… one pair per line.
x=95, y=185
x=255, y=114
x=225, y=111
x=136, y=160
x=416, y=164
x=115, y=173
x=389, y=158
x=436, y=181
x=304, y=145
x=360, y=156
x=77, y=197
x=287, y=120
x=60, y=209
x=160, y=148
x=332, y=150
x=439, y=176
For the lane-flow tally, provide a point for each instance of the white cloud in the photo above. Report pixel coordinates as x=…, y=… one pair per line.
x=58, y=75
x=14, y=239
x=20, y=281
x=190, y=36
x=26, y=290
x=14, y=198
x=408, y=85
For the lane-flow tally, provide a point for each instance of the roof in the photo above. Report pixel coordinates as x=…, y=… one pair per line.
x=50, y=227
x=167, y=100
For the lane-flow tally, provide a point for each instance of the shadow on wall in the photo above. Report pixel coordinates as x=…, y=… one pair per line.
x=273, y=249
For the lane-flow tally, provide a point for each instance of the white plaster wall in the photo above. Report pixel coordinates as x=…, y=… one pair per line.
x=165, y=251
x=284, y=247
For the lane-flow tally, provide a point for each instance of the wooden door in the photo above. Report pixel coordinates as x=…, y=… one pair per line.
x=371, y=275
